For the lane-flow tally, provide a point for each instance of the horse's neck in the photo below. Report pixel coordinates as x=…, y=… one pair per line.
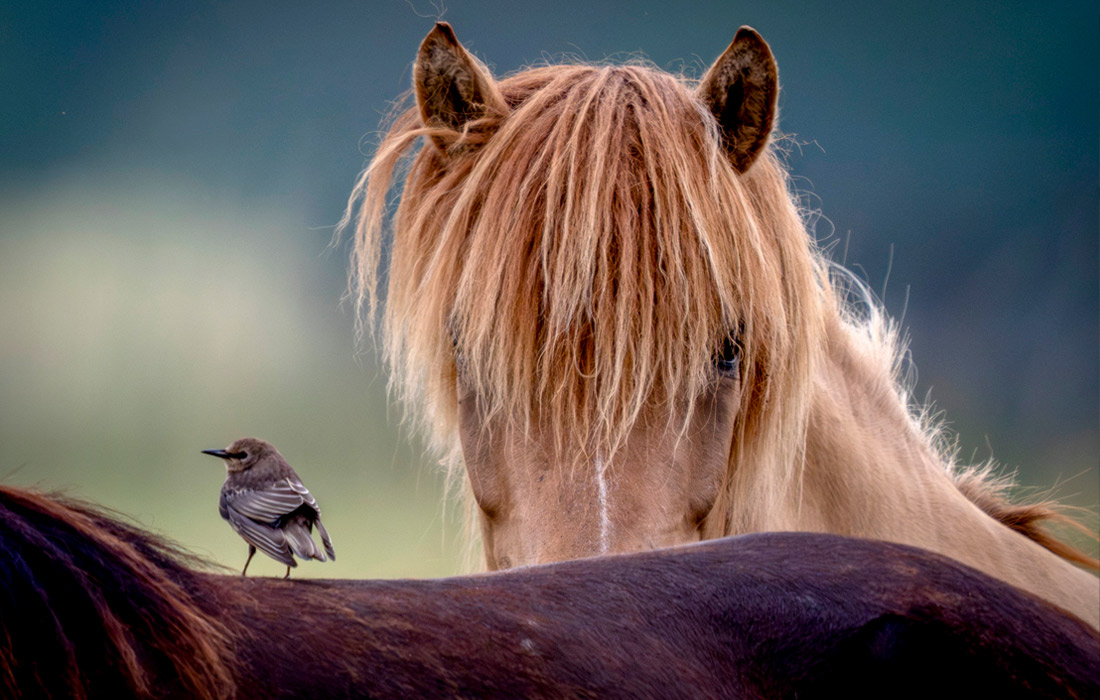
x=871, y=470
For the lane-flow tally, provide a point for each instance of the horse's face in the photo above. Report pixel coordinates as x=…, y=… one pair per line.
x=587, y=269
x=539, y=503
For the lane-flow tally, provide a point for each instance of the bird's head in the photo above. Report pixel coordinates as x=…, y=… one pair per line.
x=245, y=453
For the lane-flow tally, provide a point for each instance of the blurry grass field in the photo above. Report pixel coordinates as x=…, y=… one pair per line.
x=144, y=323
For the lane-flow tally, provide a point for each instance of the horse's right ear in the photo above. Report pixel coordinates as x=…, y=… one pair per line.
x=452, y=87
x=741, y=90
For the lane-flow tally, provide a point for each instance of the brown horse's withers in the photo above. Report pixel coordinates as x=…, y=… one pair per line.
x=91, y=607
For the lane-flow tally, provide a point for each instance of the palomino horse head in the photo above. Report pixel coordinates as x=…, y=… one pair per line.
x=596, y=294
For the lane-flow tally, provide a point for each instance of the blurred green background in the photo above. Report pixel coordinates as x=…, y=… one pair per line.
x=170, y=174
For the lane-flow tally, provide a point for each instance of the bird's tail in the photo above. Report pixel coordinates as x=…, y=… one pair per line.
x=300, y=541
x=325, y=539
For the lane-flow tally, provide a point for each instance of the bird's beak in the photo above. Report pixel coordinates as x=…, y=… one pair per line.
x=217, y=453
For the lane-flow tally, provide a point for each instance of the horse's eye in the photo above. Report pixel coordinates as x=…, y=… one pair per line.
x=728, y=358
x=460, y=359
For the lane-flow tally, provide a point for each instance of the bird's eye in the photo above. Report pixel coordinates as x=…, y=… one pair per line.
x=727, y=360
x=239, y=455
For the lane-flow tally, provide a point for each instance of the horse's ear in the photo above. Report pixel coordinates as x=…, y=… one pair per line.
x=741, y=90
x=452, y=87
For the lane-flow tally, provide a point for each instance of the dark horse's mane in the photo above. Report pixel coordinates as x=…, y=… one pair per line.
x=92, y=607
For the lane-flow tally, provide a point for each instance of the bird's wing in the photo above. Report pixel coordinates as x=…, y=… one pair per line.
x=309, y=500
x=261, y=518
x=299, y=488
x=269, y=540
x=270, y=503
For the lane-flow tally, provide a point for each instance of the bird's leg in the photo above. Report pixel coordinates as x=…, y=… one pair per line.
x=251, y=551
x=287, y=573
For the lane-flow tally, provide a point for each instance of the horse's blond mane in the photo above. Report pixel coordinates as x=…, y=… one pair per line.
x=587, y=261
x=882, y=347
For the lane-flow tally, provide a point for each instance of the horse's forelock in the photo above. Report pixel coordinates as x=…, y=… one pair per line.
x=586, y=259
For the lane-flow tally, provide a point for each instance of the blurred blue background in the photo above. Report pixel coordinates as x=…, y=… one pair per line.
x=170, y=174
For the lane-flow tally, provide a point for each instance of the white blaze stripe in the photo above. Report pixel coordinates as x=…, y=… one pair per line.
x=605, y=517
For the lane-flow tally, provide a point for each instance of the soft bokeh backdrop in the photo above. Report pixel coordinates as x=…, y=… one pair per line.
x=170, y=174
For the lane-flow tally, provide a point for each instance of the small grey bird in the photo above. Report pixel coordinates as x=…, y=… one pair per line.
x=264, y=500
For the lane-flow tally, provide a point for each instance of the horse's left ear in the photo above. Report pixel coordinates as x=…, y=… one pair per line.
x=452, y=87
x=741, y=90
